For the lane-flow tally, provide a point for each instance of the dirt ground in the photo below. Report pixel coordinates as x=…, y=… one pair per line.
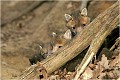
x=20, y=38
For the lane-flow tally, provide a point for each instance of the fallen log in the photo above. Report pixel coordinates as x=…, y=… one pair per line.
x=81, y=41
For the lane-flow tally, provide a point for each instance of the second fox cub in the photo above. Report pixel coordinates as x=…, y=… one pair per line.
x=77, y=20
x=61, y=39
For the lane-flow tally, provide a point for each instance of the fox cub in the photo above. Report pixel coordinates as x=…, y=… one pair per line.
x=77, y=20
x=60, y=40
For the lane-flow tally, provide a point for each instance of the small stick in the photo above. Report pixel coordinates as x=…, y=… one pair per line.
x=117, y=41
x=28, y=73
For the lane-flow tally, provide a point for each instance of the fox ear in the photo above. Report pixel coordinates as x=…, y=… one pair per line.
x=54, y=34
x=84, y=12
x=68, y=17
x=68, y=34
x=53, y=37
x=55, y=48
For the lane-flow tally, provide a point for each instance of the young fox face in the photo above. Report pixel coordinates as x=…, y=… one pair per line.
x=76, y=21
x=61, y=40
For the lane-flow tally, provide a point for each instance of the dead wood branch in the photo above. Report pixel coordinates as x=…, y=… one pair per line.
x=116, y=43
x=81, y=41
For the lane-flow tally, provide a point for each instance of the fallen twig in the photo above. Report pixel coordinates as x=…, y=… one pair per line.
x=117, y=41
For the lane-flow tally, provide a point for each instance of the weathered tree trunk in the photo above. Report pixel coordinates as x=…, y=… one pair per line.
x=82, y=40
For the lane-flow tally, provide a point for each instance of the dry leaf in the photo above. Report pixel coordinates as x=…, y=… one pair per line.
x=54, y=77
x=87, y=74
x=92, y=66
x=104, y=62
x=115, y=62
x=97, y=71
x=111, y=74
x=101, y=75
x=72, y=74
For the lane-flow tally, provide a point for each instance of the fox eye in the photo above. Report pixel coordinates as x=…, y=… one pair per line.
x=60, y=46
x=83, y=24
x=73, y=27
